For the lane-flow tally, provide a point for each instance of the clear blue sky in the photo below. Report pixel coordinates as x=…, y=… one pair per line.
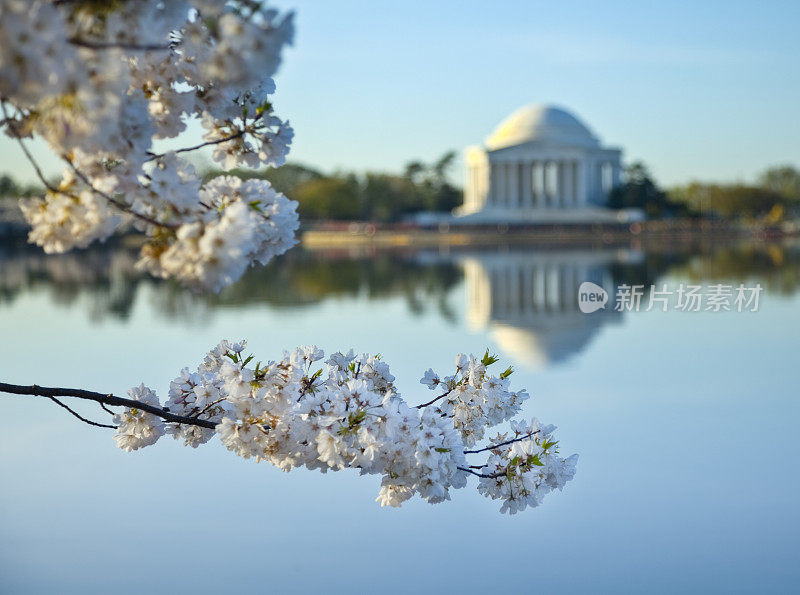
x=698, y=90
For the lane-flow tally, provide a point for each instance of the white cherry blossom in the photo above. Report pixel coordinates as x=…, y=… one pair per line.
x=349, y=415
x=100, y=82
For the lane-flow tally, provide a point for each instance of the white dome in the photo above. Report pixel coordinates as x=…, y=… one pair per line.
x=543, y=123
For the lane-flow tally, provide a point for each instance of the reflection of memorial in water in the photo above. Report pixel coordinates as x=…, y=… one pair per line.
x=529, y=300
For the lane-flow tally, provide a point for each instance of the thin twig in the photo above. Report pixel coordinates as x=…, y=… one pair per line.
x=499, y=444
x=432, y=401
x=105, y=399
x=9, y=122
x=79, y=416
x=238, y=134
x=117, y=203
x=209, y=143
x=206, y=408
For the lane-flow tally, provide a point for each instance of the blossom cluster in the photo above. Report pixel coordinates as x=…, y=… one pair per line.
x=100, y=82
x=137, y=428
x=348, y=414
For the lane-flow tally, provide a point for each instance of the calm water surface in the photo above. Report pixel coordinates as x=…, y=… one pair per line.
x=686, y=425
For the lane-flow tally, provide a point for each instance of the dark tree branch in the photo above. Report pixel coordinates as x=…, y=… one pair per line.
x=79, y=416
x=485, y=475
x=106, y=45
x=107, y=399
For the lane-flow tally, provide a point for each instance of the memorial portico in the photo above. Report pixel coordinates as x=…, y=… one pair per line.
x=539, y=163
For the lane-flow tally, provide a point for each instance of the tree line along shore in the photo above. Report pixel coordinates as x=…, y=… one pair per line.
x=390, y=199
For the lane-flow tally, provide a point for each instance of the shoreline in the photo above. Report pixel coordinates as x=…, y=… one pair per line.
x=594, y=235
x=376, y=236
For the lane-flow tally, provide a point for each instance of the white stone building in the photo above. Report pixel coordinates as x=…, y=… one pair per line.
x=541, y=165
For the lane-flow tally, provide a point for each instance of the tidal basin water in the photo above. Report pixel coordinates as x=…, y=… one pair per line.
x=685, y=422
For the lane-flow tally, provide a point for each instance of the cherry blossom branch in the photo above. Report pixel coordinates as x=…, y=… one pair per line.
x=9, y=123
x=109, y=399
x=225, y=71
x=210, y=143
x=104, y=399
x=359, y=422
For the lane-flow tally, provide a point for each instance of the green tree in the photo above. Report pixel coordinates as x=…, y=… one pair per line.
x=730, y=200
x=740, y=200
x=641, y=192
x=414, y=170
x=435, y=193
x=443, y=165
x=783, y=180
x=335, y=198
x=386, y=197
x=284, y=179
x=8, y=187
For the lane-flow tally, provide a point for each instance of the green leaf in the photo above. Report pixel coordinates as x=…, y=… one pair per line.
x=488, y=360
x=263, y=107
x=508, y=372
x=356, y=418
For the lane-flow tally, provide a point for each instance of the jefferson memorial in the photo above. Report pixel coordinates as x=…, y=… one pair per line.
x=541, y=165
